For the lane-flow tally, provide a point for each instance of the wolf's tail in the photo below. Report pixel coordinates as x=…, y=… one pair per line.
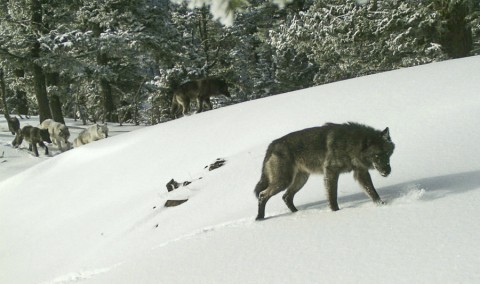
x=263, y=183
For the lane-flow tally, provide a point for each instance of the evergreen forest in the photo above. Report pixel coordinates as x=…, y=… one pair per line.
x=120, y=60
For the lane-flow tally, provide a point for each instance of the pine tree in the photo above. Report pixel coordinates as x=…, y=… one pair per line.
x=456, y=23
x=21, y=27
x=345, y=39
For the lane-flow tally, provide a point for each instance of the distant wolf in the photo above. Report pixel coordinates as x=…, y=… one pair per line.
x=90, y=134
x=201, y=90
x=330, y=150
x=34, y=136
x=58, y=133
x=13, y=124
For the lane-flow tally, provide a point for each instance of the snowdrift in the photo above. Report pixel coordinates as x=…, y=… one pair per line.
x=95, y=214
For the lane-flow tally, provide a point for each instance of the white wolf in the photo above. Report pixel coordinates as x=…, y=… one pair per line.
x=90, y=134
x=59, y=133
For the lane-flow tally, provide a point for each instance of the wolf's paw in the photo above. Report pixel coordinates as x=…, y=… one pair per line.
x=260, y=218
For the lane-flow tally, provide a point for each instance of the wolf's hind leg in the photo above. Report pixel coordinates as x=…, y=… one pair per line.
x=262, y=202
x=185, y=104
x=297, y=184
x=279, y=174
x=278, y=170
x=264, y=196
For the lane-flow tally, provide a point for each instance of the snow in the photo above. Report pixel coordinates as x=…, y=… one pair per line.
x=95, y=214
x=221, y=10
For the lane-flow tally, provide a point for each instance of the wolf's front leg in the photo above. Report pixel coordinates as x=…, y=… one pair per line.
x=43, y=146
x=363, y=177
x=208, y=103
x=62, y=146
x=331, y=185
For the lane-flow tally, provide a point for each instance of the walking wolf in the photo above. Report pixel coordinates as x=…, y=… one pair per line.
x=330, y=150
x=201, y=90
x=34, y=136
x=59, y=133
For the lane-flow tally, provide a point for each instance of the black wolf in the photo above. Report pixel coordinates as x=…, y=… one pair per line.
x=330, y=150
x=33, y=136
x=13, y=124
x=201, y=90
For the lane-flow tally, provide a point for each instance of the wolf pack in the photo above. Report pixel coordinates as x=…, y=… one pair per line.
x=56, y=133
x=331, y=149
x=52, y=132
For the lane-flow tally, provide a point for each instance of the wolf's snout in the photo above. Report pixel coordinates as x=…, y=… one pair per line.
x=383, y=170
x=386, y=172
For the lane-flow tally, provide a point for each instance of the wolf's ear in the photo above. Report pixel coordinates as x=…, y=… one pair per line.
x=386, y=135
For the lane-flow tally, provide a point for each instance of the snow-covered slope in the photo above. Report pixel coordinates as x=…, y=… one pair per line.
x=95, y=214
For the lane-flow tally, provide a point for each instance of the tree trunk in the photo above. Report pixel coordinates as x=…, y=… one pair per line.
x=109, y=109
x=457, y=37
x=206, y=43
x=21, y=101
x=38, y=75
x=108, y=105
x=55, y=103
x=41, y=92
x=203, y=27
x=3, y=89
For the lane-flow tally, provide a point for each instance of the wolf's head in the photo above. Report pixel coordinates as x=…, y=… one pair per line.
x=380, y=150
x=64, y=133
x=102, y=130
x=222, y=87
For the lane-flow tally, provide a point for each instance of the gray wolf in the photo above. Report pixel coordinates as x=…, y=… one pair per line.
x=34, y=136
x=92, y=133
x=330, y=150
x=58, y=133
x=200, y=90
x=13, y=124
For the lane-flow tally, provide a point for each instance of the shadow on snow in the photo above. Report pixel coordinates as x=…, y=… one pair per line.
x=426, y=189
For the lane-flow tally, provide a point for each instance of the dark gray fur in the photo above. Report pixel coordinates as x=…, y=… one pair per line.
x=200, y=90
x=13, y=124
x=34, y=136
x=330, y=150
